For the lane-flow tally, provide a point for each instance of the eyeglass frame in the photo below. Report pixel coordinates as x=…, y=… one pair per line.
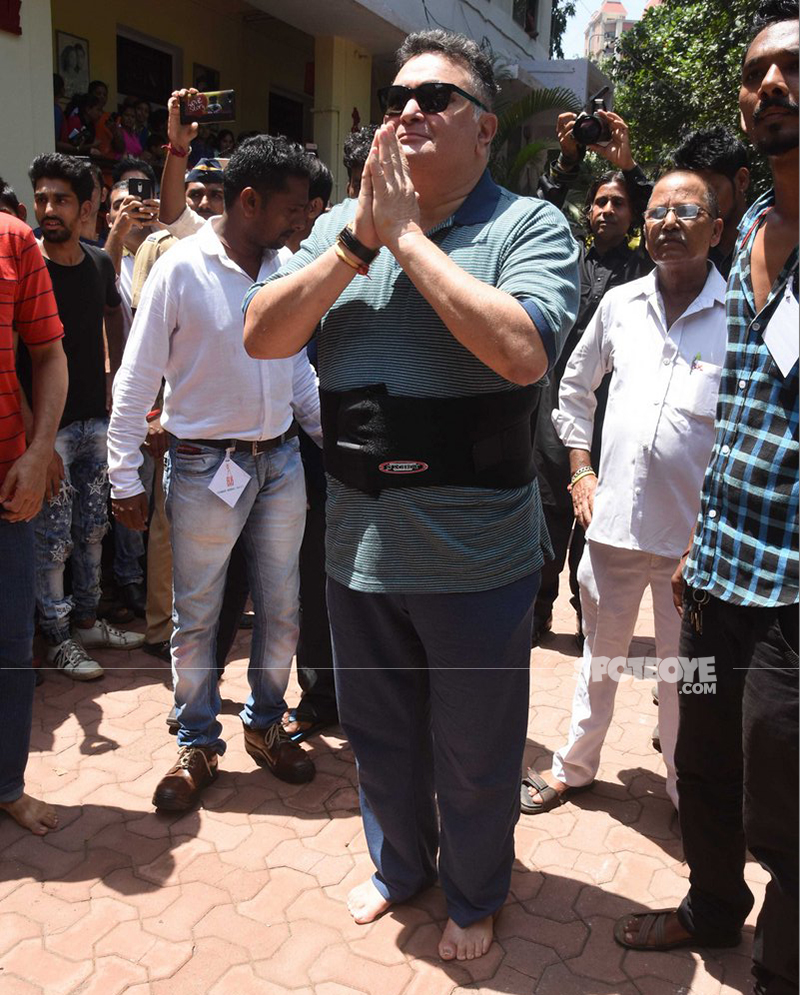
x=674, y=208
x=383, y=95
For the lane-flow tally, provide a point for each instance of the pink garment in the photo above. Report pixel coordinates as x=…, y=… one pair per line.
x=133, y=147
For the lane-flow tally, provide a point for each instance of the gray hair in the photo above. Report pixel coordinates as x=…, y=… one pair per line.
x=459, y=49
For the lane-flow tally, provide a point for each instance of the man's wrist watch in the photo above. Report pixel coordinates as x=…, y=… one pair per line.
x=348, y=239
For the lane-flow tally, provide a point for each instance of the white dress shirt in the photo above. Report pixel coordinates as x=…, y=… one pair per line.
x=124, y=286
x=659, y=425
x=188, y=329
x=188, y=222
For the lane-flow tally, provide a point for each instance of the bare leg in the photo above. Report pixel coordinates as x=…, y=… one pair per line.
x=365, y=903
x=32, y=814
x=466, y=943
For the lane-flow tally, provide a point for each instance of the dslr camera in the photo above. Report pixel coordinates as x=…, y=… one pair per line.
x=589, y=127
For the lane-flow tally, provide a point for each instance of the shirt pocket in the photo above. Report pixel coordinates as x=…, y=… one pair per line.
x=700, y=391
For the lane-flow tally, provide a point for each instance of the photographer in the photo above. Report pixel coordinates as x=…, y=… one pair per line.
x=613, y=208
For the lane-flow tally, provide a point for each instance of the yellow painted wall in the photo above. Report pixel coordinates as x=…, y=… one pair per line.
x=250, y=56
x=26, y=66
x=343, y=81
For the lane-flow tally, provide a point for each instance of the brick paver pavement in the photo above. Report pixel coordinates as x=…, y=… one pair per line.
x=245, y=896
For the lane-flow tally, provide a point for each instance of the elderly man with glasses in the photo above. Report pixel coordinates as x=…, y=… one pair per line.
x=663, y=339
x=435, y=536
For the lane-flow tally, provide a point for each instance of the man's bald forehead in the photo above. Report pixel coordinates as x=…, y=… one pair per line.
x=677, y=178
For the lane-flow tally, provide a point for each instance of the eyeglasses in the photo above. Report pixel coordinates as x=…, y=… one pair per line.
x=432, y=98
x=683, y=212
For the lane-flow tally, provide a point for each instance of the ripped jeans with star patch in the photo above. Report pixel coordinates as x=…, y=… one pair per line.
x=71, y=527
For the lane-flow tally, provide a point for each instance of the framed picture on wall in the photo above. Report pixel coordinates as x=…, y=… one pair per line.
x=205, y=78
x=72, y=63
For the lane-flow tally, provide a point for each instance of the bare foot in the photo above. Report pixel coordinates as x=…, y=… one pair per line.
x=32, y=814
x=554, y=783
x=365, y=903
x=466, y=943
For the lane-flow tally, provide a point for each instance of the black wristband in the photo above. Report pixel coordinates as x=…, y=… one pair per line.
x=358, y=249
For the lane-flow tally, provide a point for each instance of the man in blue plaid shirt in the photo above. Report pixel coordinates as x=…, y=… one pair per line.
x=737, y=750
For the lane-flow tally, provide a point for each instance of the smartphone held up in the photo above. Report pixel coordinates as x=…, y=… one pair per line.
x=215, y=106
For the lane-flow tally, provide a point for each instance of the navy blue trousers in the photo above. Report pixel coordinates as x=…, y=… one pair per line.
x=17, y=679
x=433, y=695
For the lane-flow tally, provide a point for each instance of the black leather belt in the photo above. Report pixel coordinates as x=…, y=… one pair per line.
x=243, y=446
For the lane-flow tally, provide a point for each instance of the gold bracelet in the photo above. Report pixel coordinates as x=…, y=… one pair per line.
x=341, y=252
x=580, y=473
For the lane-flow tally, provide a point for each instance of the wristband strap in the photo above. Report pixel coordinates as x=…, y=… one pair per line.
x=358, y=249
x=174, y=150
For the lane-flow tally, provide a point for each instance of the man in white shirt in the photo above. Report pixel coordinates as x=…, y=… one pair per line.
x=663, y=338
x=233, y=464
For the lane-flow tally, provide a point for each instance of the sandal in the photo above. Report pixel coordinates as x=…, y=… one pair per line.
x=550, y=797
x=653, y=925
x=317, y=721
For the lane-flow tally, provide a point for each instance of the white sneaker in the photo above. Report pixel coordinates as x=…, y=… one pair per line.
x=72, y=659
x=105, y=636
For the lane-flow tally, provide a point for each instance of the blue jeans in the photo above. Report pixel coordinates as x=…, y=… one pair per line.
x=16, y=651
x=73, y=525
x=270, y=516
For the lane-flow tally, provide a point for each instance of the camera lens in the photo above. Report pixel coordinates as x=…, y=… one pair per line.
x=588, y=131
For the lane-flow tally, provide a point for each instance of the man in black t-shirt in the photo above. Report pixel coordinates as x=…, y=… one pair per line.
x=74, y=518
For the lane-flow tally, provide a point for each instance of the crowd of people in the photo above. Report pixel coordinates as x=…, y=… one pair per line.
x=390, y=424
x=84, y=127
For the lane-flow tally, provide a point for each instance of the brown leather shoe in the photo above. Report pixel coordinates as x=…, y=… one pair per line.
x=273, y=748
x=183, y=783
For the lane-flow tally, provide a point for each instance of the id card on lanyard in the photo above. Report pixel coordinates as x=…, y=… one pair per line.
x=229, y=481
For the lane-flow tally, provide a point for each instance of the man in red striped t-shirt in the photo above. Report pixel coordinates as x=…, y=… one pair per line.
x=27, y=307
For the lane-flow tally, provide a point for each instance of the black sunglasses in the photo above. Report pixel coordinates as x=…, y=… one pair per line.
x=432, y=98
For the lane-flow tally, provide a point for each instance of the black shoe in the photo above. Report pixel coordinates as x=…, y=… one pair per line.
x=158, y=650
x=541, y=626
x=133, y=597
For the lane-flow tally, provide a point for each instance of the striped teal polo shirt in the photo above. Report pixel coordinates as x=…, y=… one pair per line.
x=382, y=330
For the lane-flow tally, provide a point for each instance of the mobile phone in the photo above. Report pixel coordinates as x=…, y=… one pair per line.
x=216, y=105
x=142, y=189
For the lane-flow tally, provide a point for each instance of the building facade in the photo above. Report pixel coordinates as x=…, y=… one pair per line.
x=308, y=70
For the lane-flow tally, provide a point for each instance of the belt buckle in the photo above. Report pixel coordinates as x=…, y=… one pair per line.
x=254, y=448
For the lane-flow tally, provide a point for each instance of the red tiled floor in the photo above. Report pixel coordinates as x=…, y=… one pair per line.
x=245, y=896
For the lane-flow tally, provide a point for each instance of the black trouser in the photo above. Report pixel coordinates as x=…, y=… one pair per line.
x=737, y=765
x=559, y=524
x=314, y=653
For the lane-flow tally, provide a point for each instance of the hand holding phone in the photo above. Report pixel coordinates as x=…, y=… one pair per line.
x=218, y=106
x=140, y=188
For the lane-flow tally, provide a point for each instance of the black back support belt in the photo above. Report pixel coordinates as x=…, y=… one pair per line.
x=373, y=440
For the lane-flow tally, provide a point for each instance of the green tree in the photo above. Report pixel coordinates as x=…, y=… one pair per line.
x=562, y=11
x=510, y=157
x=679, y=69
